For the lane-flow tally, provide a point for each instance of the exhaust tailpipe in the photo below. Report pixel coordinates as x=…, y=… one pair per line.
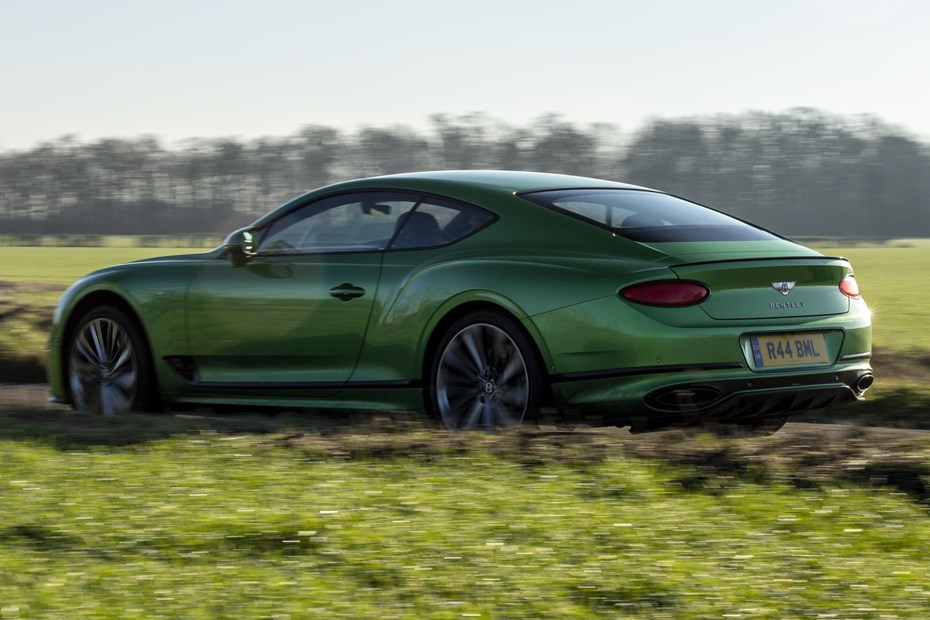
x=864, y=382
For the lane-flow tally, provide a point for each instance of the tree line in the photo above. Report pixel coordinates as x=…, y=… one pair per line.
x=800, y=172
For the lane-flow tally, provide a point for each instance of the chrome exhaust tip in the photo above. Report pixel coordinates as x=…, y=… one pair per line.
x=864, y=382
x=685, y=398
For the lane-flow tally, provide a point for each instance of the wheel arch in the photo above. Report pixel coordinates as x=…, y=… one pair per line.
x=450, y=315
x=95, y=299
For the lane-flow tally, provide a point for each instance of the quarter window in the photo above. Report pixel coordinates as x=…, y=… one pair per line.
x=437, y=222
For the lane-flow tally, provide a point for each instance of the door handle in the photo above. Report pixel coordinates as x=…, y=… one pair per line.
x=346, y=291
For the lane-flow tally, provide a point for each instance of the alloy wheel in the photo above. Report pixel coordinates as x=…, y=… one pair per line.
x=482, y=379
x=103, y=370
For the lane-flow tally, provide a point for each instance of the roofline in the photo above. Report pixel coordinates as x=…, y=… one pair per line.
x=516, y=181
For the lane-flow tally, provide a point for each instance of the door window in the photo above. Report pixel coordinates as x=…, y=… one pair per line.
x=359, y=222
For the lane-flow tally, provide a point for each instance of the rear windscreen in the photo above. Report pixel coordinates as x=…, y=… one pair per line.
x=648, y=216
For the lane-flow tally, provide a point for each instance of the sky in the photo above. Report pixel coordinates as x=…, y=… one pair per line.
x=179, y=69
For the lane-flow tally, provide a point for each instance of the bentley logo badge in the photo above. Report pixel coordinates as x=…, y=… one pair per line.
x=783, y=287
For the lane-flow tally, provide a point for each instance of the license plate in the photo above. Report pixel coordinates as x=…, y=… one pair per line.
x=789, y=349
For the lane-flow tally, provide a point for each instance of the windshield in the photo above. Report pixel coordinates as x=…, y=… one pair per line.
x=648, y=216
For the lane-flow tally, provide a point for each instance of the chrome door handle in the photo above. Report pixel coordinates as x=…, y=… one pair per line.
x=346, y=291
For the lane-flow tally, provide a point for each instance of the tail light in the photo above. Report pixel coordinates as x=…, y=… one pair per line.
x=667, y=293
x=850, y=287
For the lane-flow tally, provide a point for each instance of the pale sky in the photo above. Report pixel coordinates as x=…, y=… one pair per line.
x=186, y=68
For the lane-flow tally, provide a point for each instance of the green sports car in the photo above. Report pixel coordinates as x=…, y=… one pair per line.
x=482, y=298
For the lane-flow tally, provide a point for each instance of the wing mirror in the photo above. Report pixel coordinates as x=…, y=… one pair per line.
x=240, y=246
x=369, y=208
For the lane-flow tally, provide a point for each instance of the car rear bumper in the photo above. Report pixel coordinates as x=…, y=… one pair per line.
x=653, y=401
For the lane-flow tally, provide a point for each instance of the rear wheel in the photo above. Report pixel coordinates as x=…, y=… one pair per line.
x=485, y=373
x=109, y=369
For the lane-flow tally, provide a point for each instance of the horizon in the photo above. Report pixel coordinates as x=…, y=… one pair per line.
x=211, y=69
x=621, y=136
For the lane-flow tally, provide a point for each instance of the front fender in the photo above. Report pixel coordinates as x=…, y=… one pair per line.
x=153, y=293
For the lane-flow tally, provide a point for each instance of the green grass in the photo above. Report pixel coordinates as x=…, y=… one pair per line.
x=290, y=516
x=210, y=522
x=112, y=241
x=60, y=266
x=891, y=277
x=31, y=281
x=893, y=280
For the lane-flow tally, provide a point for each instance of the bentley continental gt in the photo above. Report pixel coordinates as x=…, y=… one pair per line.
x=481, y=298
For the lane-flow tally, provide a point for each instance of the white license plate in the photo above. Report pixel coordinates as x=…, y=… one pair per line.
x=789, y=349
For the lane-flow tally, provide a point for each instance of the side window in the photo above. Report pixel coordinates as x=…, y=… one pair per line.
x=359, y=222
x=437, y=222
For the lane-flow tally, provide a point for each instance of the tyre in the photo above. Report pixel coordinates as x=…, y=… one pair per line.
x=109, y=369
x=485, y=373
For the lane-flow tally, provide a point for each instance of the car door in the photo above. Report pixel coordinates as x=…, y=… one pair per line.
x=425, y=243
x=296, y=313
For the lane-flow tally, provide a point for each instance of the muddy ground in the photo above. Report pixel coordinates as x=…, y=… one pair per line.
x=803, y=454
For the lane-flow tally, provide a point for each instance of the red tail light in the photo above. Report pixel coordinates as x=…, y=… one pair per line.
x=850, y=287
x=667, y=293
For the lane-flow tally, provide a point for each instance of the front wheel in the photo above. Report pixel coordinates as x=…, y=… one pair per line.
x=485, y=373
x=109, y=371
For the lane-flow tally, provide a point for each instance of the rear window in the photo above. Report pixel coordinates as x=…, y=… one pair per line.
x=648, y=216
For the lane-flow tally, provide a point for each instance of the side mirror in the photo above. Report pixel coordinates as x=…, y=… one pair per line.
x=240, y=246
x=369, y=208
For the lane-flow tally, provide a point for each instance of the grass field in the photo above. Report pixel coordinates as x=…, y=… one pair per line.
x=31, y=281
x=253, y=515
x=890, y=276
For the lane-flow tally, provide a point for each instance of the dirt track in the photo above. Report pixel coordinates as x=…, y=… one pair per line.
x=32, y=395
x=806, y=455
x=36, y=396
